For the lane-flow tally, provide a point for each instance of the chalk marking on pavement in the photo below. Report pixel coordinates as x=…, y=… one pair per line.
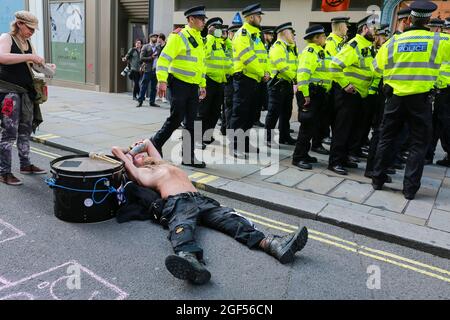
x=207, y=180
x=197, y=175
x=18, y=232
x=356, y=248
x=4, y=281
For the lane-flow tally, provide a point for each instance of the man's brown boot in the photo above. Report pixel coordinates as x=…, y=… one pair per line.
x=10, y=180
x=32, y=169
x=284, y=248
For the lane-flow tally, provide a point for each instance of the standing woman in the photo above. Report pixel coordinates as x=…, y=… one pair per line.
x=17, y=95
x=134, y=60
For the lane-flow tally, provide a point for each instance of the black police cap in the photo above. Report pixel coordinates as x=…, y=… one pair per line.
x=436, y=23
x=403, y=13
x=252, y=9
x=340, y=19
x=214, y=22
x=234, y=27
x=196, y=11
x=313, y=30
x=423, y=9
x=369, y=21
x=284, y=26
x=447, y=23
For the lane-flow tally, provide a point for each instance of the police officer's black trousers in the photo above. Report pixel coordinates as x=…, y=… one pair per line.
x=416, y=109
x=244, y=105
x=183, y=212
x=377, y=103
x=280, y=110
x=345, y=125
x=364, y=116
x=262, y=101
x=227, y=105
x=441, y=123
x=209, y=109
x=184, y=106
x=309, y=127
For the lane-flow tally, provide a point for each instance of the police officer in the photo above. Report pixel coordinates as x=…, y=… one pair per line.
x=181, y=67
x=250, y=68
x=354, y=77
x=218, y=67
x=436, y=25
x=398, y=61
x=403, y=20
x=441, y=111
x=445, y=100
x=228, y=99
x=335, y=41
x=283, y=57
x=314, y=81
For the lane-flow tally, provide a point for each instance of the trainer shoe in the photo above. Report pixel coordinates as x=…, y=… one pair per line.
x=32, y=169
x=185, y=266
x=10, y=180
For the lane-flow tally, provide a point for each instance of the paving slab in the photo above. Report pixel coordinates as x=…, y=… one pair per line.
x=289, y=177
x=443, y=200
x=399, y=216
x=352, y=191
x=320, y=183
x=388, y=200
x=440, y=220
x=435, y=172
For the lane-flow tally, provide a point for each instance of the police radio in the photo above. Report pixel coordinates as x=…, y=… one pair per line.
x=192, y=40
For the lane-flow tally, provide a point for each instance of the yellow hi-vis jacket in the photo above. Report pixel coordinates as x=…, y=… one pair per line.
x=284, y=60
x=410, y=62
x=314, y=67
x=249, y=53
x=183, y=57
x=444, y=73
x=354, y=65
x=334, y=44
x=218, y=64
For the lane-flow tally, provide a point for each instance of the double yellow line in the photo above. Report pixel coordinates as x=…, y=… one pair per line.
x=353, y=247
x=387, y=257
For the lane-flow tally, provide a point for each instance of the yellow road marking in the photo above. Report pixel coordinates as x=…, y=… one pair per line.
x=197, y=175
x=207, y=180
x=53, y=155
x=47, y=137
x=354, y=248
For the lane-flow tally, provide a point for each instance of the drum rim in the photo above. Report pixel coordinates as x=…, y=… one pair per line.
x=63, y=172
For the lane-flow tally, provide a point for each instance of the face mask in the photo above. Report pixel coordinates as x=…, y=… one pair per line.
x=218, y=33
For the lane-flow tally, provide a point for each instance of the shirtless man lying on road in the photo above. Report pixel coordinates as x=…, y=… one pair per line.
x=185, y=207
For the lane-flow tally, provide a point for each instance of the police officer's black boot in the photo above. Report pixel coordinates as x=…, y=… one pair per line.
x=284, y=248
x=185, y=266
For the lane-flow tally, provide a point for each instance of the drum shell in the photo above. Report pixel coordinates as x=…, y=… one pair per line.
x=79, y=207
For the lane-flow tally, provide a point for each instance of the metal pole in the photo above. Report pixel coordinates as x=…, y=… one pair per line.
x=151, y=16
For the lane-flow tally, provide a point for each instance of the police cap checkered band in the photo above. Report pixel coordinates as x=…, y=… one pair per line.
x=313, y=30
x=404, y=13
x=214, y=22
x=196, y=11
x=283, y=27
x=252, y=9
x=423, y=9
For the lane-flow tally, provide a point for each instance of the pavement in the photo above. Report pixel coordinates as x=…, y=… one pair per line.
x=86, y=121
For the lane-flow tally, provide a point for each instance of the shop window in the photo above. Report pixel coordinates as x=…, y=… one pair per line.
x=9, y=7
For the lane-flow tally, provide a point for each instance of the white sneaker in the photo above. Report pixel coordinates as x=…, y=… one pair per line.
x=164, y=100
x=158, y=99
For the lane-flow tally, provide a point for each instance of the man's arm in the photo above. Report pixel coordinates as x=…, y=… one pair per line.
x=132, y=170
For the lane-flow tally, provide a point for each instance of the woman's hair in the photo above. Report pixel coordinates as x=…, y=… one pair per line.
x=14, y=28
x=162, y=36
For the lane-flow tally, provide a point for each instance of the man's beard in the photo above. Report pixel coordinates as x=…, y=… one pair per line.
x=369, y=37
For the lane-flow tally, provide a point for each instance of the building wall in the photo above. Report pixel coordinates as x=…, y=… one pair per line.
x=298, y=11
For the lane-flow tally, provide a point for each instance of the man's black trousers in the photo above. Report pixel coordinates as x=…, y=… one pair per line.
x=209, y=109
x=416, y=111
x=280, y=109
x=441, y=122
x=345, y=125
x=309, y=129
x=245, y=100
x=183, y=106
x=227, y=105
x=183, y=212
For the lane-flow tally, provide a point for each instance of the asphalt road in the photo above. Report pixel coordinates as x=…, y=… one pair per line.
x=45, y=258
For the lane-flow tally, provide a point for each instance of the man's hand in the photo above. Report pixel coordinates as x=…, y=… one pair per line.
x=202, y=93
x=162, y=89
x=266, y=77
x=307, y=101
x=350, y=89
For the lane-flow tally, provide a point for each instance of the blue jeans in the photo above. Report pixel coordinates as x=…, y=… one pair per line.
x=149, y=78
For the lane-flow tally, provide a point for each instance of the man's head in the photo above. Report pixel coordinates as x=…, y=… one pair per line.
x=367, y=27
x=436, y=25
x=269, y=35
x=214, y=27
x=153, y=39
x=138, y=43
x=232, y=30
x=316, y=34
x=339, y=26
x=286, y=32
x=253, y=15
x=421, y=12
x=382, y=35
x=403, y=19
x=446, y=28
x=161, y=38
x=196, y=17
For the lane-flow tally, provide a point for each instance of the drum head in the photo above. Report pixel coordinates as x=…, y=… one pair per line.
x=83, y=165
